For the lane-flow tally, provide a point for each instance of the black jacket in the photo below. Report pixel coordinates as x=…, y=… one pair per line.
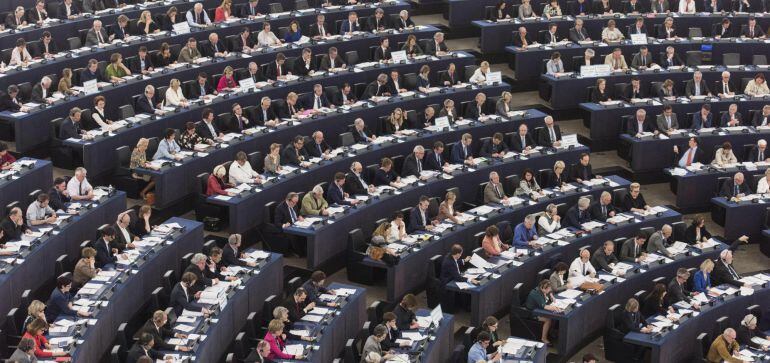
x=725, y=274
x=353, y=185
x=195, y=90
x=578, y=171
x=451, y=270
x=180, y=302
x=259, y=115
x=596, y=211
x=158, y=334
x=291, y=156
x=404, y=317
x=203, y=131
x=544, y=137
x=7, y=104
x=516, y=142
x=410, y=166
x=489, y=148
x=312, y=148
x=728, y=189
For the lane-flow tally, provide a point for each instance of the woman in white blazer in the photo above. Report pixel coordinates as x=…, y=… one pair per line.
x=174, y=95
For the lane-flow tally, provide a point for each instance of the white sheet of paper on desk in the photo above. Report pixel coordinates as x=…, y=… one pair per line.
x=186, y=319
x=320, y=311
x=479, y=262
x=398, y=358
x=183, y=327
x=299, y=333
x=312, y=318
x=424, y=321
x=413, y=335
x=294, y=349
x=186, y=312
x=570, y=293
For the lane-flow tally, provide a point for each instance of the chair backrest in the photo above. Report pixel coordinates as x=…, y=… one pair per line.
x=351, y=57
x=276, y=8
x=356, y=240
x=346, y=139
x=301, y=4
x=202, y=184
x=694, y=58
x=758, y=59
x=731, y=59
x=694, y=32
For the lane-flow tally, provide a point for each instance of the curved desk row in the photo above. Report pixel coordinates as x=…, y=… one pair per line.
x=324, y=242
x=244, y=209
x=99, y=154
x=121, y=297
x=495, y=36
x=740, y=218
x=695, y=189
x=676, y=345
x=494, y=296
x=173, y=183
x=26, y=126
x=26, y=176
x=35, y=265
x=409, y=274
x=567, y=93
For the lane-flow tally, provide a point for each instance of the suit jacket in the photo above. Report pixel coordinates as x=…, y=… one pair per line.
x=489, y=148
x=92, y=39
x=348, y=27
x=689, y=88
x=187, y=54
x=286, y=110
x=10, y=21
x=336, y=195
x=544, y=137
x=758, y=32
x=728, y=189
x=291, y=156
x=756, y=121
x=21, y=357
x=726, y=118
x=630, y=8
x=375, y=24
x=627, y=250
x=180, y=302
x=596, y=211
x=721, y=274
x=458, y=156
x=137, y=351
x=402, y=24
x=296, y=311
x=104, y=255
x=120, y=241
x=601, y=260
x=203, y=131
x=311, y=148
x=676, y=292
x=209, y=51
x=450, y=270
x=380, y=54
x=37, y=93
x=136, y=65
x=637, y=61
x=661, y=122
x=410, y=166
x=431, y=47
x=754, y=154
x=516, y=142
x=309, y=101
x=357, y=137
x=69, y=129
x=32, y=15
x=121, y=33
x=62, y=11
x=493, y=196
x=578, y=35
x=201, y=281
x=326, y=63
x=259, y=115
x=699, y=156
x=375, y=89
x=195, y=90
x=576, y=218
x=698, y=122
x=271, y=71
x=416, y=222
x=144, y=105
x=354, y=186
x=473, y=112
x=315, y=30
x=282, y=214
x=675, y=61
x=57, y=200
x=337, y=98
x=159, y=335
x=517, y=41
x=578, y=171
x=547, y=38
x=575, y=8
x=7, y=104
x=657, y=244
x=301, y=68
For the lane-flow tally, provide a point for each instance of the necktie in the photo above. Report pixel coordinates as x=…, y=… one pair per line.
x=438, y=159
x=99, y=36
x=321, y=30
x=457, y=264
x=553, y=134
x=497, y=191
x=584, y=268
x=465, y=152
x=419, y=166
x=200, y=17
x=636, y=249
x=736, y=191
x=668, y=122
x=363, y=135
x=422, y=217
x=732, y=271
x=604, y=211
x=80, y=188
x=292, y=214
x=279, y=69
x=580, y=35
x=644, y=60
x=216, y=49
x=317, y=102
x=320, y=151
x=726, y=87
x=689, y=157
x=523, y=142
x=697, y=89
x=761, y=156
x=751, y=33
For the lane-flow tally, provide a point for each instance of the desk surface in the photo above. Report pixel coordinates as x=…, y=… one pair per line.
x=740, y=218
x=25, y=180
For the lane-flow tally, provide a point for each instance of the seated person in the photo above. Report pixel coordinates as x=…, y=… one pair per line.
x=216, y=184
x=579, y=213
x=39, y=213
x=35, y=332
x=604, y=208
x=494, y=147
x=265, y=113
x=541, y=297
x=704, y=118
x=314, y=204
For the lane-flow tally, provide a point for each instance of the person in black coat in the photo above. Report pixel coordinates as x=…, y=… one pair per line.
x=759, y=152
x=344, y=96
x=304, y=64
x=419, y=218
x=494, y=147
x=297, y=304
x=382, y=53
x=182, y=298
x=404, y=311
x=320, y=29
x=385, y=175
x=144, y=348
x=521, y=38
x=723, y=272
x=453, y=265
x=604, y=208
x=450, y=77
x=696, y=232
x=105, y=253
x=582, y=170
x=142, y=63
x=413, y=163
x=62, y=10
x=633, y=124
x=354, y=180
x=557, y=179
x=156, y=326
x=676, y=290
x=294, y=153
x=378, y=88
x=196, y=267
x=204, y=127
x=361, y=133
x=316, y=100
x=478, y=108
x=231, y=254
x=71, y=128
x=434, y=158
x=317, y=147
x=57, y=195
x=631, y=320
x=378, y=21
x=748, y=330
x=335, y=193
x=579, y=213
x=546, y=137
x=735, y=187
x=655, y=302
x=202, y=88
x=680, y=159
x=264, y=114
x=9, y=100
x=390, y=321
x=516, y=140
x=276, y=68
x=286, y=213
x=13, y=226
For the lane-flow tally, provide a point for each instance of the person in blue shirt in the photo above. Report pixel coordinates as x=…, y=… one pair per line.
x=525, y=234
x=294, y=34
x=478, y=351
x=701, y=282
x=168, y=148
x=59, y=304
x=461, y=151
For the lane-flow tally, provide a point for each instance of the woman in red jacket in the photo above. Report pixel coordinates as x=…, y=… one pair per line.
x=275, y=338
x=216, y=183
x=223, y=12
x=35, y=331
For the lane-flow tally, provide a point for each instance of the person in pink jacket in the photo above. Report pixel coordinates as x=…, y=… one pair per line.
x=276, y=338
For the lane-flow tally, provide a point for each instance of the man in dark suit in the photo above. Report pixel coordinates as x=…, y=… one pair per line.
x=477, y=109
x=143, y=348
x=419, y=219
x=206, y=128
x=70, y=128
x=693, y=154
x=378, y=21
x=142, y=63
x=522, y=141
x=42, y=91
x=231, y=253
x=580, y=7
x=382, y=53
x=38, y=13
x=760, y=118
x=182, y=298
x=378, y=88
x=735, y=187
x=16, y=18
x=632, y=7
x=316, y=100
x=285, y=212
x=676, y=290
x=91, y=72
x=461, y=151
x=46, y=46
x=434, y=159
x=354, y=180
x=57, y=195
x=157, y=327
x=413, y=163
x=249, y=10
x=632, y=249
x=638, y=27
x=123, y=237
x=276, y=68
x=290, y=108
x=344, y=96
x=9, y=100
x=319, y=29
x=696, y=86
x=551, y=35
x=582, y=170
x=453, y=265
x=331, y=60
x=253, y=72
x=639, y=124
x=351, y=25
x=578, y=33
x=634, y=90
x=264, y=113
x=67, y=10
x=105, y=254
x=725, y=29
x=146, y=103
x=297, y=304
x=305, y=64
x=550, y=134
x=335, y=193
x=317, y=147
x=603, y=209
x=97, y=35
x=215, y=47
x=201, y=88
x=196, y=267
x=704, y=118
x=437, y=46
x=294, y=153
x=120, y=29
x=752, y=30
x=579, y=213
x=361, y=133
x=494, y=147
x=522, y=39
x=642, y=60
x=723, y=272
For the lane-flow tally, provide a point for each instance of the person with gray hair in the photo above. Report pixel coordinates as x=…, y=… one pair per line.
x=748, y=330
x=362, y=133
x=723, y=272
x=603, y=209
x=437, y=47
x=196, y=267
x=549, y=221
x=525, y=234
x=314, y=204
x=660, y=240
x=372, y=345
x=413, y=164
x=41, y=93
x=493, y=192
x=378, y=88
x=97, y=35
x=724, y=348
x=78, y=187
x=404, y=21
x=676, y=290
x=231, y=254
x=578, y=213
x=735, y=188
x=25, y=352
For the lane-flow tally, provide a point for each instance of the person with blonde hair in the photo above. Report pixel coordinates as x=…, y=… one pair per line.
x=503, y=105
x=227, y=81
x=223, y=11
x=314, y=204
x=35, y=310
x=139, y=160
x=273, y=159
x=446, y=209
x=174, y=95
x=216, y=184
x=634, y=201
x=145, y=24
x=65, y=83
x=276, y=338
x=702, y=279
x=480, y=74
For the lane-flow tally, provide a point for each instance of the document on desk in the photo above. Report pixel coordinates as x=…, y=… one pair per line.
x=307, y=222
x=464, y=285
x=413, y=335
x=300, y=333
x=570, y=293
x=479, y=262
x=294, y=349
x=312, y=318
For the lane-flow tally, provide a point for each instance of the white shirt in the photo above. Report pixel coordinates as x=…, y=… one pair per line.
x=686, y=7
x=76, y=187
x=96, y=117
x=478, y=76
x=19, y=57
x=394, y=232
x=266, y=39
x=762, y=186
x=240, y=174
x=548, y=227
x=174, y=98
x=126, y=235
x=579, y=270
